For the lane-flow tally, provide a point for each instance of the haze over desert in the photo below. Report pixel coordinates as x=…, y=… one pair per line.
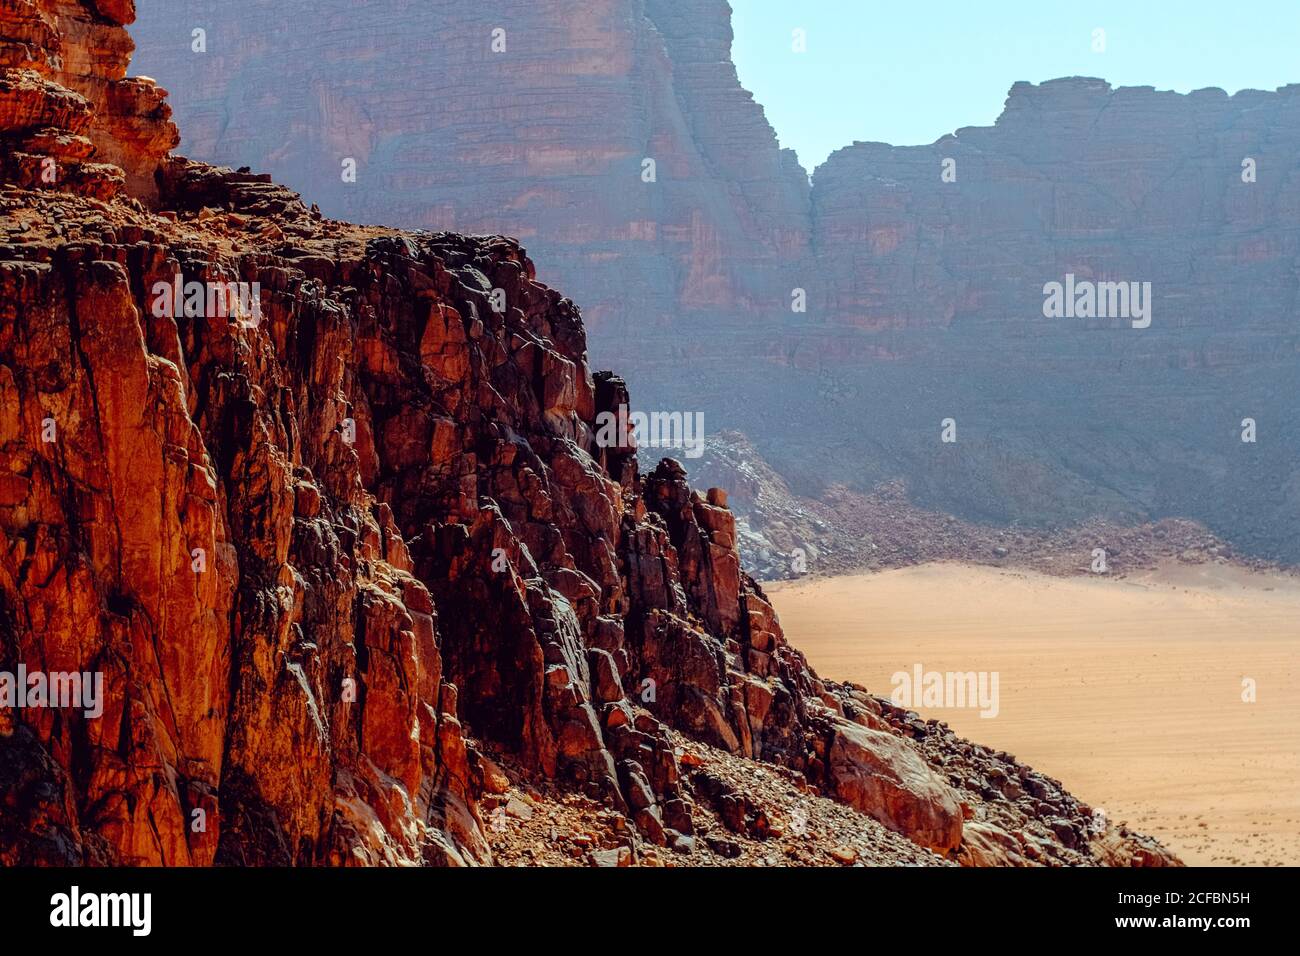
x=1130, y=690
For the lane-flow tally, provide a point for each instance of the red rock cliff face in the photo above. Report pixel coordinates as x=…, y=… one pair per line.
x=1076, y=176
x=542, y=137
x=66, y=85
x=328, y=553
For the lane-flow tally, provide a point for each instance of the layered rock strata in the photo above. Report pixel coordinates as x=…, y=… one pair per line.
x=531, y=120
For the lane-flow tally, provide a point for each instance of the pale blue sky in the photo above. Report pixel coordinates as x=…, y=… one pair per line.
x=908, y=71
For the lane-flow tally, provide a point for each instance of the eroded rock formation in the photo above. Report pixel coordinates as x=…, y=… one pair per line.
x=67, y=97
x=330, y=551
x=528, y=120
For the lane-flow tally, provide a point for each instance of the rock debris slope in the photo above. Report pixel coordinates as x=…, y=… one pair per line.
x=335, y=554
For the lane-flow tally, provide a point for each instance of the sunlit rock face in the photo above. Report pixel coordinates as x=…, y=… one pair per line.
x=65, y=85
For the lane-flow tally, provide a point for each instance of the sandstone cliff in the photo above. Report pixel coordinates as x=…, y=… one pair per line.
x=539, y=131
x=1196, y=194
x=342, y=556
x=924, y=296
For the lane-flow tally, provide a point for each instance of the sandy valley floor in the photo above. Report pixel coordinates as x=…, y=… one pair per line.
x=1127, y=690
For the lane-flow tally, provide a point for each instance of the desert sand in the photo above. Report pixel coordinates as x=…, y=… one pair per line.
x=1128, y=690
